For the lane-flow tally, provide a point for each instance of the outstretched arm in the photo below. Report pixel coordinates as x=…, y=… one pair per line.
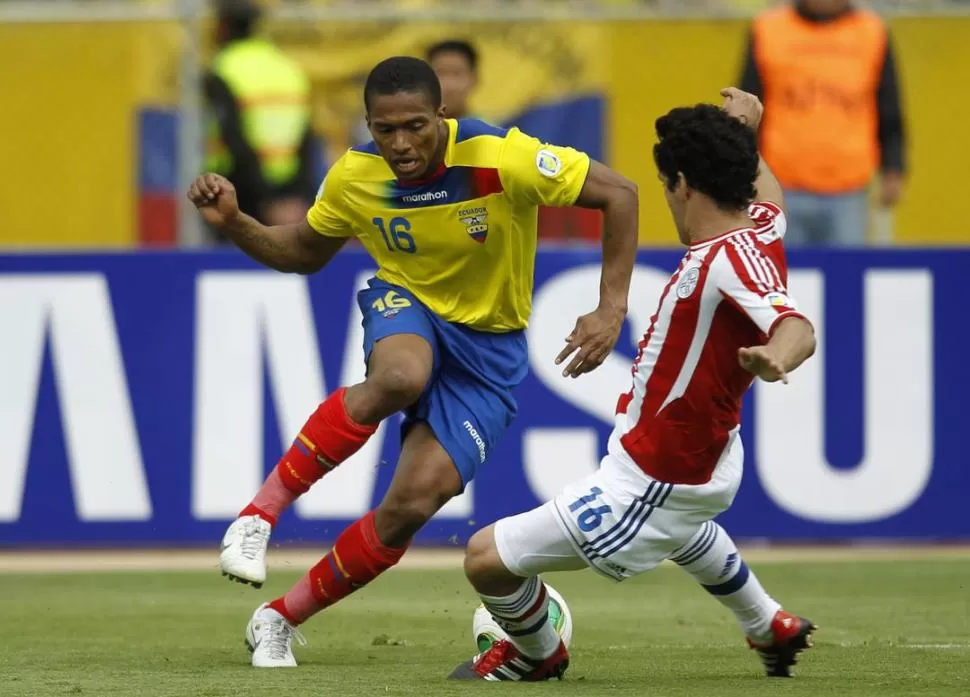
x=596, y=333
x=791, y=344
x=295, y=248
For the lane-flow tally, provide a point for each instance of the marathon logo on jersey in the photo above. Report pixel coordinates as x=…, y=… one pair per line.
x=548, y=163
x=688, y=282
x=425, y=197
x=780, y=300
x=475, y=221
x=477, y=438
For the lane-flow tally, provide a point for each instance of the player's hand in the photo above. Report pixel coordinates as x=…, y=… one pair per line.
x=760, y=361
x=215, y=197
x=591, y=341
x=743, y=106
x=891, y=188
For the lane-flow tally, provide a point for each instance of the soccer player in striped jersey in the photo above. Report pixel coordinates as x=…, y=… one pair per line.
x=448, y=209
x=674, y=458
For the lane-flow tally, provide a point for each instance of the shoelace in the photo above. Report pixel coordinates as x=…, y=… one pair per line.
x=254, y=540
x=279, y=636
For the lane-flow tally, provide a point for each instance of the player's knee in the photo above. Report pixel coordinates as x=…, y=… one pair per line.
x=400, y=384
x=399, y=518
x=480, y=553
x=484, y=567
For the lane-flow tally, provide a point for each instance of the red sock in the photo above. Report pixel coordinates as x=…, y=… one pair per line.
x=328, y=438
x=357, y=558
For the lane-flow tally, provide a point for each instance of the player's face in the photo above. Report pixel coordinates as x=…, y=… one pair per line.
x=457, y=79
x=407, y=131
x=677, y=203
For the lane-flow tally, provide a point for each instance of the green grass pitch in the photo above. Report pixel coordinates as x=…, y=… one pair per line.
x=887, y=628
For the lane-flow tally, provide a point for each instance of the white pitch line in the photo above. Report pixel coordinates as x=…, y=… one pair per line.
x=69, y=561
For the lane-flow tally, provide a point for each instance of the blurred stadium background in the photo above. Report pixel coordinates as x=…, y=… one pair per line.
x=147, y=380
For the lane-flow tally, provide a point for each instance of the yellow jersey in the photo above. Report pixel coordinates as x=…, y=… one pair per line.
x=463, y=243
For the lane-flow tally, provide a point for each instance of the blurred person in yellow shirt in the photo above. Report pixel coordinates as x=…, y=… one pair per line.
x=259, y=134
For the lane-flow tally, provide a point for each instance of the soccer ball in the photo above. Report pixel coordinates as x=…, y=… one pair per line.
x=486, y=631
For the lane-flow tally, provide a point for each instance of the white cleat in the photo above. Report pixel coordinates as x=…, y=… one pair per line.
x=243, y=554
x=270, y=637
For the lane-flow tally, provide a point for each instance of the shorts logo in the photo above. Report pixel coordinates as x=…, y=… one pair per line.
x=688, y=283
x=475, y=221
x=477, y=438
x=390, y=312
x=780, y=300
x=616, y=568
x=548, y=164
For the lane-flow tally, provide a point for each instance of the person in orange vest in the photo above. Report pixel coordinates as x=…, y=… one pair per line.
x=826, y=73
x=258, y=108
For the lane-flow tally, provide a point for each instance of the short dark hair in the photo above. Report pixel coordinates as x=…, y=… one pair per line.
x=455, y=46
x=402, y=74
x=716, y=153
x=239, y=16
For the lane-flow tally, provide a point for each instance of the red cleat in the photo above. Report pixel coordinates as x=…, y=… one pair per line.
x=505, y=662
x=792, y=635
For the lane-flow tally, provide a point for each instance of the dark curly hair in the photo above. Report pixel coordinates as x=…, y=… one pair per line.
x=716, y=153
x=402, y=74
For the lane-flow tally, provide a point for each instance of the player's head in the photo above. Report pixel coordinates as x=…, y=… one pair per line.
x=825, y=8
x=705, y=158
x=456, y=64
x=402, y=97
x=235, y=19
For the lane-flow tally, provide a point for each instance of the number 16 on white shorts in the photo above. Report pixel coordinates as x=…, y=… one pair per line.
x=622, y=522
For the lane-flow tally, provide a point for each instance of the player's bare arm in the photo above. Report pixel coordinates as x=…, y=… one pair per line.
x=294, y=248
x=791, y=344
x=748, y=109
x=596, y=333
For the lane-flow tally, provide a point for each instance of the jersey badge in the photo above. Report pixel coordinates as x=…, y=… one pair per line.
x=780, y=300
x=548, y=164
x=688, y=283
x=475, y=221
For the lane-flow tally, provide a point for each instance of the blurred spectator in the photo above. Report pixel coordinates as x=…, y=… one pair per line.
x=456, y=64
x=826, y=73
x=259, y=127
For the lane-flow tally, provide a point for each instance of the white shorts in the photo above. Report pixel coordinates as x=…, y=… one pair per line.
x=618, y=520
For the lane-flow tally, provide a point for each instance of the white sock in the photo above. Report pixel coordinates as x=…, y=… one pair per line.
x=524, y=615
x=713, y=560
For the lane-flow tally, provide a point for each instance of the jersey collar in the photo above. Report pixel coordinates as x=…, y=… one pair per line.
x=723, y=236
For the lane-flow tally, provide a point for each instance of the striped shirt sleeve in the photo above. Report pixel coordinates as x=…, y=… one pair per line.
x=749, y=278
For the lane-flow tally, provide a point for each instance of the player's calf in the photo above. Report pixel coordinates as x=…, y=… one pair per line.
x=518, y=605
x=713, y=560
x=328, y=438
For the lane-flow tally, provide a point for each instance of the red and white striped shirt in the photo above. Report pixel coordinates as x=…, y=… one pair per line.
x=729, y=292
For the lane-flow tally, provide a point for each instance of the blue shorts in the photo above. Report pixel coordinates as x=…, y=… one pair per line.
x=468, y=401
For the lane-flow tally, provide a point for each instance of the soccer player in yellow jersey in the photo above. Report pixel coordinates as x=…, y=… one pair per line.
x=448, y=211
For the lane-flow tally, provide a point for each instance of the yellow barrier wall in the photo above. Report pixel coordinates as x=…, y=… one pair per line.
x=70, y=101
x=68, y=150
